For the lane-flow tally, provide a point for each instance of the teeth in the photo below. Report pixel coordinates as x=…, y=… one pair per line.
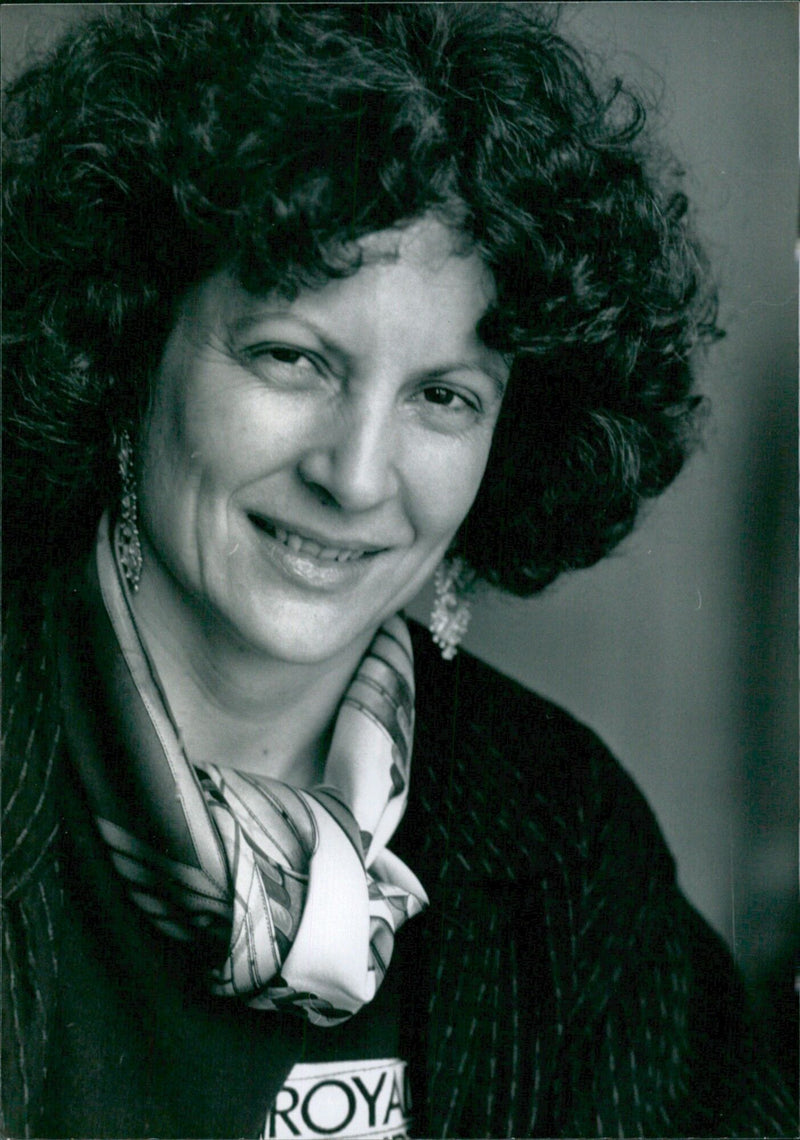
x=300, y=545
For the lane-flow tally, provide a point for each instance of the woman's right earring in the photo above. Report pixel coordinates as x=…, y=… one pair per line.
x=128, y=546
x=451, y=613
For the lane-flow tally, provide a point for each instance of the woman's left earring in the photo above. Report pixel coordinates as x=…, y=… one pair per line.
x=451, y=609
x=128, y=546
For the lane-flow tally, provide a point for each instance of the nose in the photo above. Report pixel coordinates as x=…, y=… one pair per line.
x=354, y=465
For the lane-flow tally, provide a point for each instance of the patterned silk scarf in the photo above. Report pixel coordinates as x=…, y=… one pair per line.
x=293, y=892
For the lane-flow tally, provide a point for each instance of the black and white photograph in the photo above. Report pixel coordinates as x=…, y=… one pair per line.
x=400, y=570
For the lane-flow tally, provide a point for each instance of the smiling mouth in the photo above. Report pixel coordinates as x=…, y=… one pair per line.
x=298, y=544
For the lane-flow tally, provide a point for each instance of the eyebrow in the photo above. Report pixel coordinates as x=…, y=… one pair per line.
x=488, y=369
x=243, y=324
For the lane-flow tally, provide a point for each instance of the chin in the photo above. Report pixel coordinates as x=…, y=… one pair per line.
x=304, y=639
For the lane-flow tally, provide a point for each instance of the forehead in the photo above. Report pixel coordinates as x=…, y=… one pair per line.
x=426, y=244
x=425, y=274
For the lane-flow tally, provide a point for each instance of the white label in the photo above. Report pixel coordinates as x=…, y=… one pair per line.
x=354, y=1099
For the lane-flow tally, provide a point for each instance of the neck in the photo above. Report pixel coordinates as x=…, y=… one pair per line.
x=235, y=706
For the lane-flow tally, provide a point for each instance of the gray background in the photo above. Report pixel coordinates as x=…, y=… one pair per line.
x=680, y=650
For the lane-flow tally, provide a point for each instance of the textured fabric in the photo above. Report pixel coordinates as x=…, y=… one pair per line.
x=559, y=984
x=299, y=886
x=576, y=992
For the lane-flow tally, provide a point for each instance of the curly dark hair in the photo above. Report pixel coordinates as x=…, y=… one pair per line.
x=159, y=143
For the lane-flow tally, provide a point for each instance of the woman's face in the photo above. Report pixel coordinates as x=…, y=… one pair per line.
x=306, y=463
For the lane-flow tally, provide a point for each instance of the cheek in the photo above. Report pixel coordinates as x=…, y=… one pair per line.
x=194, y=440
x=447, y=481
x=175, y=450
x=166, y=440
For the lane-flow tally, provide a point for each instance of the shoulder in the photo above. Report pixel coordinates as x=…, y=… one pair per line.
x=521, y=763
x=513, y=787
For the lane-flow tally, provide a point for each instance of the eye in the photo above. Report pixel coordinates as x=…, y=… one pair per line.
x=444, y=397
x=283, y=354
x=447, y=405
x=284, y=364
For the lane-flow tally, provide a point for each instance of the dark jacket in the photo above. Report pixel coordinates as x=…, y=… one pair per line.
x=559, y=984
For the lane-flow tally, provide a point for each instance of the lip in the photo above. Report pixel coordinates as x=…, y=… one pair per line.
x=270, y=525
x=308, y=569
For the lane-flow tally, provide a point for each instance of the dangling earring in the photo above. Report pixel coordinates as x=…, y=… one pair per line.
x=451, y=613
x=128, y=546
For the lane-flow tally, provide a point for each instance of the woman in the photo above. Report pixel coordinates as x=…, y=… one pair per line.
x=305, y=305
